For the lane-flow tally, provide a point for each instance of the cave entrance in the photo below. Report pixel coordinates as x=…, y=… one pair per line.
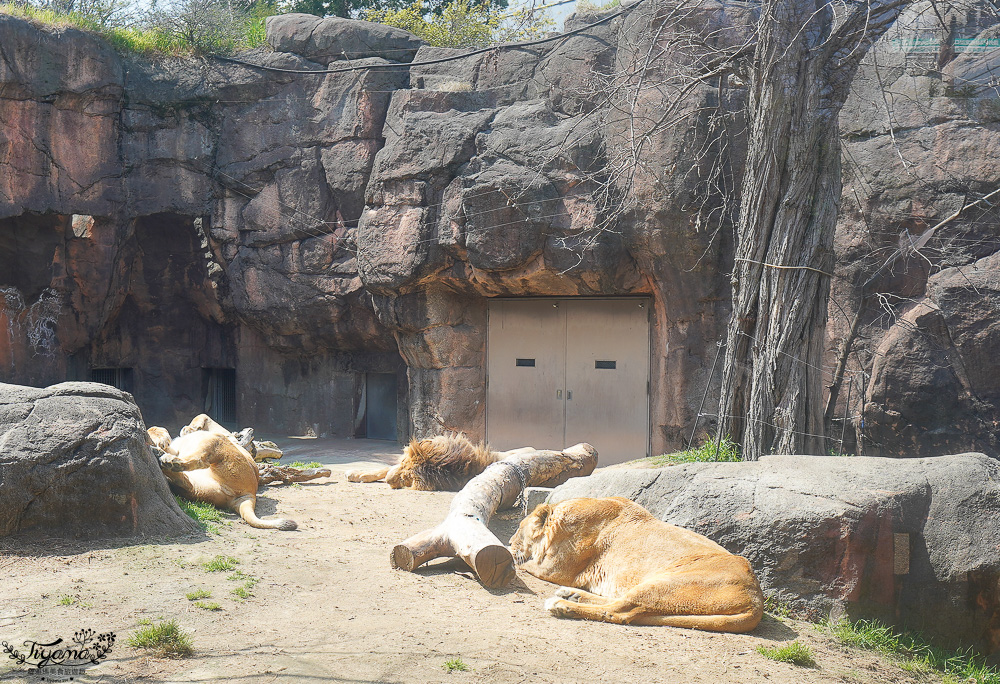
x=28, y=245
x=380, y=406
x=122, y=378
x=220, y=395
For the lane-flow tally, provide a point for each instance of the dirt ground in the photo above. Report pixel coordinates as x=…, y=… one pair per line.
x=328, y=607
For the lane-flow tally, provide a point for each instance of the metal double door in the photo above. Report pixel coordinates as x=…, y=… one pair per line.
x=562, y=371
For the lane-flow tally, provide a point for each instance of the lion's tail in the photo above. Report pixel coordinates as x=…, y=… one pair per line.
x=245, y=507
x=738, y=623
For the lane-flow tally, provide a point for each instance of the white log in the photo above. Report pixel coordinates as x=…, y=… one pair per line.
x=464, y=532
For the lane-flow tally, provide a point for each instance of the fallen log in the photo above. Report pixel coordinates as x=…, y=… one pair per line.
x=274, y=473
x=464, y=532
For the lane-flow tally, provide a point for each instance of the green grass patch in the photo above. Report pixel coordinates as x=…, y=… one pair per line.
x=588, y=7
x=146, y=41
x=303, y=466
x=221, y=564
x=206, y=515
x=208, y=606
x=165, y=638
x=240, y=576
x=198, y=594
x=709, y=451
x=68, y=600
x=914, y=653
x=123, y=39
x=794, y=653
x=245, y=590
x=155, y=40
x=455, y=665
x=242, y=592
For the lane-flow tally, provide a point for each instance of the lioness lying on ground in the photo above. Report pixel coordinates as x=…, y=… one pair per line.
x=617, y=563
x=210, y=466
x=259, y=450
x=443, y=463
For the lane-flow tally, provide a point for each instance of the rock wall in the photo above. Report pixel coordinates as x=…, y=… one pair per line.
x=194, y=215
x=492, y=183
x=306, y=228
x=921, y=142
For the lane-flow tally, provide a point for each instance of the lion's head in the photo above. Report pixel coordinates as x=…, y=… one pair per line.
x=529, y=541
x=400, y=476
x=556, y=540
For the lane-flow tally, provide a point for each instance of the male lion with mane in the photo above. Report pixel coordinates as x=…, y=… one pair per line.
x=617, y=563
x=443, y=463
x=206, y=463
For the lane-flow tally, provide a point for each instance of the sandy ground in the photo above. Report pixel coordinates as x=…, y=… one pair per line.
x=328, y=607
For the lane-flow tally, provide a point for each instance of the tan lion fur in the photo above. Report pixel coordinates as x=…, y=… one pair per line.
x=617, y=563
x=211, y=467
x=443, y=463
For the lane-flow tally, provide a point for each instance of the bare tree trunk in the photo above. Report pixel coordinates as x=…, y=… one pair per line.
x=772, y=393
x=464, y=533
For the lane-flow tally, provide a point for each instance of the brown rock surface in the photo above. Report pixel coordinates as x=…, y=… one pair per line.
x=925, y=379
x=181, y=215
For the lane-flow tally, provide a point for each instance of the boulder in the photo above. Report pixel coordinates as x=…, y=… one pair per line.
x=913, y=542
x=74, y=464
x=935, y=387
x=920, y=138
x=326, y=40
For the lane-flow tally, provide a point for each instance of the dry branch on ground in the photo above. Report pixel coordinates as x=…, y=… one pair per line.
x=464, y=533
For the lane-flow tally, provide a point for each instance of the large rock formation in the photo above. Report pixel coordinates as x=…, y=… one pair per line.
x=226, y=216
x=494, y=182
x=921, y=143
x=178, y=216
x=299, y=221
x=74, y=463
x=914, y=542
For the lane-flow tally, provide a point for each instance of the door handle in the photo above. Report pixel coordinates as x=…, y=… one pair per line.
x=569, y=395
x=558, y=394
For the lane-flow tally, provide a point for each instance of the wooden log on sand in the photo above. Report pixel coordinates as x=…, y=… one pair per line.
x=464, y=532
x=278, y=473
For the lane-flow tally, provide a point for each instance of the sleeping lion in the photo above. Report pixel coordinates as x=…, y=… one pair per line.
x=208, y=464
x=617, y=563
x=443, y=463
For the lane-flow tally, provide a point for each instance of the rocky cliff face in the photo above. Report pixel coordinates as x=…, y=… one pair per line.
x=308, y=227
x=921, y=143
x=180, y=217
x=184, y=215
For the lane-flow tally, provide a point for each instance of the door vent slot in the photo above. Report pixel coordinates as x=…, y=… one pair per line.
x=525, y=362
x=610, y=365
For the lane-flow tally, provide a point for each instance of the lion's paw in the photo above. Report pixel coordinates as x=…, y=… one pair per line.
x=568, y=593
x=552, y=605
x=167, y=463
